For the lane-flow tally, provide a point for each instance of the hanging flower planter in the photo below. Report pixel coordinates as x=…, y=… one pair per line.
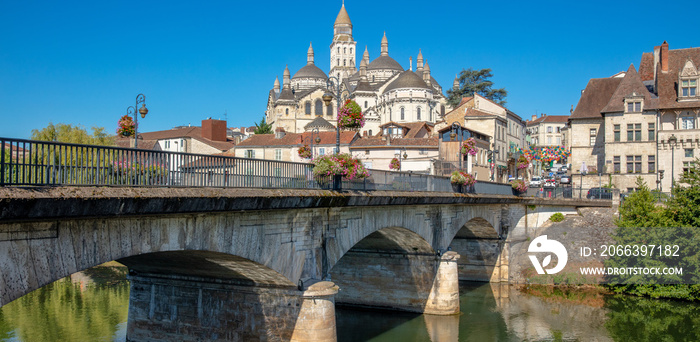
x=519, y=187
x=342, y=165
x=523, y=162
x=350, y=116
x=462, y=182
x=304, y=152
x=127, y=127
x=395, y=164
x=468, y=147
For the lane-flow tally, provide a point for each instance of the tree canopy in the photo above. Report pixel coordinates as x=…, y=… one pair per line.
x=263, y=127
x=476, y=81
x=72, y=134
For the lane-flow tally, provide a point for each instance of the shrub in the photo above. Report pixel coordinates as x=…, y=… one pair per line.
x=557, y=217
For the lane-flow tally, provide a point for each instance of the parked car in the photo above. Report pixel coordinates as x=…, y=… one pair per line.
x=550, y=183
x=564, y=168
x=565, y=179
x=599, y=193
x=535, y=182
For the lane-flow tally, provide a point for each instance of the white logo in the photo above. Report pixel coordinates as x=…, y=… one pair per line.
x=541, y=244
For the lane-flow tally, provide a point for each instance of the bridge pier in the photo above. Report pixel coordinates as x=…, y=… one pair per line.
x=423, y=283
x=185, y=308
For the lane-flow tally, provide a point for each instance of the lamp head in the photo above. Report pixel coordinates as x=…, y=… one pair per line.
x=143, y=110
x=405, y=155
x=317, y=140
x=327, y=97
x=672, y=139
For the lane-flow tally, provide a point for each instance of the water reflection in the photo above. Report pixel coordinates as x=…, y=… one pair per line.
x=88, y=306
x=93, y=305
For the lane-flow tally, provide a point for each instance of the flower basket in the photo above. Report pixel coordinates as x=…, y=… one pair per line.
x=519, y=187
x=462, y=182
x=468, y=147
x=523, y=162
x=342, y=165
x=127, y=127
x=395, y=164
x=304, y=152
x=350, y=116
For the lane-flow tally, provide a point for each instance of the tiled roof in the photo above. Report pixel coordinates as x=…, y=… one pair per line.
x=596, y=95
x=465, y=100
x=549, y=119
x=631, y=84
x=668, y=81
x=293, y=139
x=149, y=139
x=473, y=112
x=320, y=123
x=646, y=67
x=402, y=142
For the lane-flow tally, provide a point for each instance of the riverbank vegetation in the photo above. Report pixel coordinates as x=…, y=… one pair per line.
x=643, y=222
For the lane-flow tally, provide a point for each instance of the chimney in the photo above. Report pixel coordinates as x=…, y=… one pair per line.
x=214, y=130
x=664, y=57
x=534, y=117
x=364, y=134
x=279, y=133
x=571, y=110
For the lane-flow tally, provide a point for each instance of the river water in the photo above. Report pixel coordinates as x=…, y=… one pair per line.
x=93, y=306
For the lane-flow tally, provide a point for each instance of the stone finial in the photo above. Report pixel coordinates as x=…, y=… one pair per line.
x=285, y=77
x=455, y=84
x=385, y=46
x=419, y=61
x=310, y=55
x=276, y=86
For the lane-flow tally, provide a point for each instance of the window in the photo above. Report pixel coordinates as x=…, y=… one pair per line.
x=329, y=110
x=688, y=87
x=558, y=129
x=344, y=62
x=549, y=140
x=652, y=132
x=689, y=153
x=307, y=106
x=652, y=164
x=370, y=132
x=365, y=104
x=630, y=132
x=634, y=106
x=549, y=129
x=249, y=153
x=630, y=164
x=558, y=140
x=688, y=122
x=637, y=164
x=418, y=113
x=687, y=165
x=423, y=151
x=278, y=154
x=367, y=152
x=593, y=135
x=286, y=111
x=616, y=132
x=350, y=50
x=318, y=108
x=402, y=113
x=345, y=50
x=638, y=132
x=616, y=164
x=321, y=151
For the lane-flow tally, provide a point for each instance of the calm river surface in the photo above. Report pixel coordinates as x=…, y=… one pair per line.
x=93, y=306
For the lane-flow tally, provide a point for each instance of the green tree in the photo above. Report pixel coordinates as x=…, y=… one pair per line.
x=476, y=81
x=263, y=127
x=640, y=210
x=684, y=207
x=73, y=134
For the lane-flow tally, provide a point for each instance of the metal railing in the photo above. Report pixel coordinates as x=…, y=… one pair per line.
x=40, y=163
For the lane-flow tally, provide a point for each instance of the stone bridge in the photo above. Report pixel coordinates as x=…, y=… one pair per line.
x=251, y=264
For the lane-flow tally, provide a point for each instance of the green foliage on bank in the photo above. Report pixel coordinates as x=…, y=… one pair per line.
x=557, y=217
x=643, y=222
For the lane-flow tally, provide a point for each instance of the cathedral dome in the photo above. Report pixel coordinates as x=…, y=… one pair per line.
x=310, y=71
x=384, y=62
x=407, y=79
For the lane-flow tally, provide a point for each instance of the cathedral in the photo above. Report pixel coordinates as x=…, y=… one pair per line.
x=383, y=89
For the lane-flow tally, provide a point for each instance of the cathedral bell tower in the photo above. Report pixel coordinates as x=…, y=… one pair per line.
x=343, y=47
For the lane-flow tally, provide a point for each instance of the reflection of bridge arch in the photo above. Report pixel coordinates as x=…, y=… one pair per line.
x=481, y=247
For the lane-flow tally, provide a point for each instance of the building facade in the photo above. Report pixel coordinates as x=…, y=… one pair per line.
x=547, y=130
x=385, y=91
x=640, y=123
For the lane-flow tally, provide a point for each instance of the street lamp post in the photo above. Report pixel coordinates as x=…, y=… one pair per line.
x=405, y=156
x=334, y=90
x=317, y=140
x=131, y=110
x=493, y=152
x=672, y=141
x=455, y=127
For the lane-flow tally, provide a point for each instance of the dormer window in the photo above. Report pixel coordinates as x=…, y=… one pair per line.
x=689, y=87
x=633, y=103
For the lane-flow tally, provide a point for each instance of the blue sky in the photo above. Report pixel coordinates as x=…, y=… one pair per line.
x=85, y=62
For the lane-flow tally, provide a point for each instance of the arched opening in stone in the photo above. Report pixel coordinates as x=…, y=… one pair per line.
x=393, y=268
x=479, y=246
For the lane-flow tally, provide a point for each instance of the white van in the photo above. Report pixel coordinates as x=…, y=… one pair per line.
x=535, y=181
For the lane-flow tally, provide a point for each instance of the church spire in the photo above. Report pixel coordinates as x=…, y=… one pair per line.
x=285, y=77
x=365, y=56
x=385, y=46
x=310, y=55
x=455, y=84
x=419, y=61
x=276, y=86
